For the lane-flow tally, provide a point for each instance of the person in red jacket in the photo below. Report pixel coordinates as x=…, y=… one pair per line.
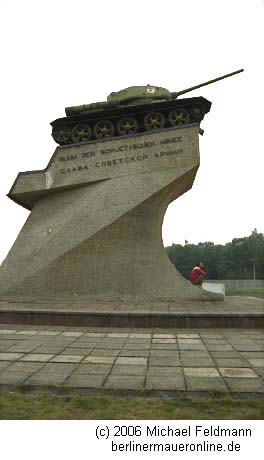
x=198, y=274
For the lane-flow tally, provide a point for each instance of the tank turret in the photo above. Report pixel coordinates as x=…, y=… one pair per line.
x=134, y=95
x=131, y=110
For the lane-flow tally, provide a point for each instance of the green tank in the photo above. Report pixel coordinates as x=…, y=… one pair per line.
x=129, y=111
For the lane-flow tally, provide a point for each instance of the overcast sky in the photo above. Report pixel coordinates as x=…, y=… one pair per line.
x=58, y=53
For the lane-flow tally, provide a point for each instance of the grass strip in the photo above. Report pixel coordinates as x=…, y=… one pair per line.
x=17, y=406
x=246, y=292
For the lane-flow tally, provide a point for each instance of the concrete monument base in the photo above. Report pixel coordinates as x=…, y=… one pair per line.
x=234, y=312
x=94, y=233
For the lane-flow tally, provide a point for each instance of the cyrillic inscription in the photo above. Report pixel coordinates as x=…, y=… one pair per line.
x=150, y=152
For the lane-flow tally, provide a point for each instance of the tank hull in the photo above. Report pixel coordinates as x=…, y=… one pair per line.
x=127, y=120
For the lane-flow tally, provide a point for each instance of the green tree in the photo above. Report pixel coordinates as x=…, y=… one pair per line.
x=234, y=260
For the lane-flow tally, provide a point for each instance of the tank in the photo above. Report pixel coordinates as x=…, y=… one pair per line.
x=131, y=110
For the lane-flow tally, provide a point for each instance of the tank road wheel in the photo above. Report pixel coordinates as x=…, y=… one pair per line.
x=179, y=117
x=81, y=133
x=198, y=113
x=104, y=128
x=127, y=126
x=61, y=135
x=154, y=120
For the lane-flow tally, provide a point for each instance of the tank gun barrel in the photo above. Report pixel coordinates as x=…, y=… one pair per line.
x=178, y=93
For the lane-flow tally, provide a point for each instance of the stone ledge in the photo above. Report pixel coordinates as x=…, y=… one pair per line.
x=185, y=321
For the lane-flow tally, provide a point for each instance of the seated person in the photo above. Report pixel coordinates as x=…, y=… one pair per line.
x=197, y=275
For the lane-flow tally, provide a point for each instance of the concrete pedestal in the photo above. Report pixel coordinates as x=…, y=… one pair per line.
x=94, y=232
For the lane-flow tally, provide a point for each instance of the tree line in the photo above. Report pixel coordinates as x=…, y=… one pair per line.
x=242, y=258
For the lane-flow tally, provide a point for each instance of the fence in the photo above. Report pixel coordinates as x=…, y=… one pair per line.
x=241, y=284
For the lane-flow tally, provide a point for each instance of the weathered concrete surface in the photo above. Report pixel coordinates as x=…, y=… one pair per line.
x=94, y=233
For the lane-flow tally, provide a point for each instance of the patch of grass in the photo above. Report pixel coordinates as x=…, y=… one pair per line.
x=17, y=406
x=246, y=292
x=22, y=388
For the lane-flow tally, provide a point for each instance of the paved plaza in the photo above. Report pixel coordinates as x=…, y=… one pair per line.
x=171, y=360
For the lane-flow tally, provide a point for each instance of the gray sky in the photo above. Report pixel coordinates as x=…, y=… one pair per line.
x=59, y=53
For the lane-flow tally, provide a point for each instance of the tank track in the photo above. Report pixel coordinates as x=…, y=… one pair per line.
x=128, y=120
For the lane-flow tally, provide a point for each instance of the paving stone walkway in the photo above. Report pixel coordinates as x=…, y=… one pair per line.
x=224, y=360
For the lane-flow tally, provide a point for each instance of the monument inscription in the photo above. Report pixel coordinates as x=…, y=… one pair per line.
x=119, y=158
x=108, y=159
